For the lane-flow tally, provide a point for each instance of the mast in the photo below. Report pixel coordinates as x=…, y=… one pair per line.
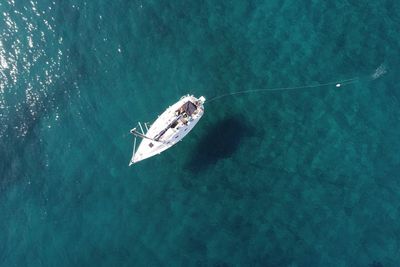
x=160, y=134
x=134, y=132
x=138, y=134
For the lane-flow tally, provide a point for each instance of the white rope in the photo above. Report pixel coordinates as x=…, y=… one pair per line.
x=140, y=125
x=337, y=84
x=133, y=151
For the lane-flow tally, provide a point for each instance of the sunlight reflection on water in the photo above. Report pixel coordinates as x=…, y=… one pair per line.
x=30, y=63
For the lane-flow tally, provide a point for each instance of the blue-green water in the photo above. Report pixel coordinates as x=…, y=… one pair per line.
x=292, y=178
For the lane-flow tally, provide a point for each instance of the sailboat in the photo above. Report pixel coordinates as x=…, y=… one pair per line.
x=168, y=129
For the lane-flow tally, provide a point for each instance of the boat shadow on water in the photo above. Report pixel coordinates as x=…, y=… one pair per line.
x=221, y=140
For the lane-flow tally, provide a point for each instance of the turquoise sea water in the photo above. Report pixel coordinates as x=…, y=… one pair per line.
x=290, y=178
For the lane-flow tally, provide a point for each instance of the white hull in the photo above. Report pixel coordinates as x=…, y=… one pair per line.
x=169, y=128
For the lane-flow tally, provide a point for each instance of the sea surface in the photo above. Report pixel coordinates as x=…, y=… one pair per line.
x=305, y=177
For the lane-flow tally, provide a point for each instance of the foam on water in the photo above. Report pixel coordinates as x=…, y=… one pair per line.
x=379, y=72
